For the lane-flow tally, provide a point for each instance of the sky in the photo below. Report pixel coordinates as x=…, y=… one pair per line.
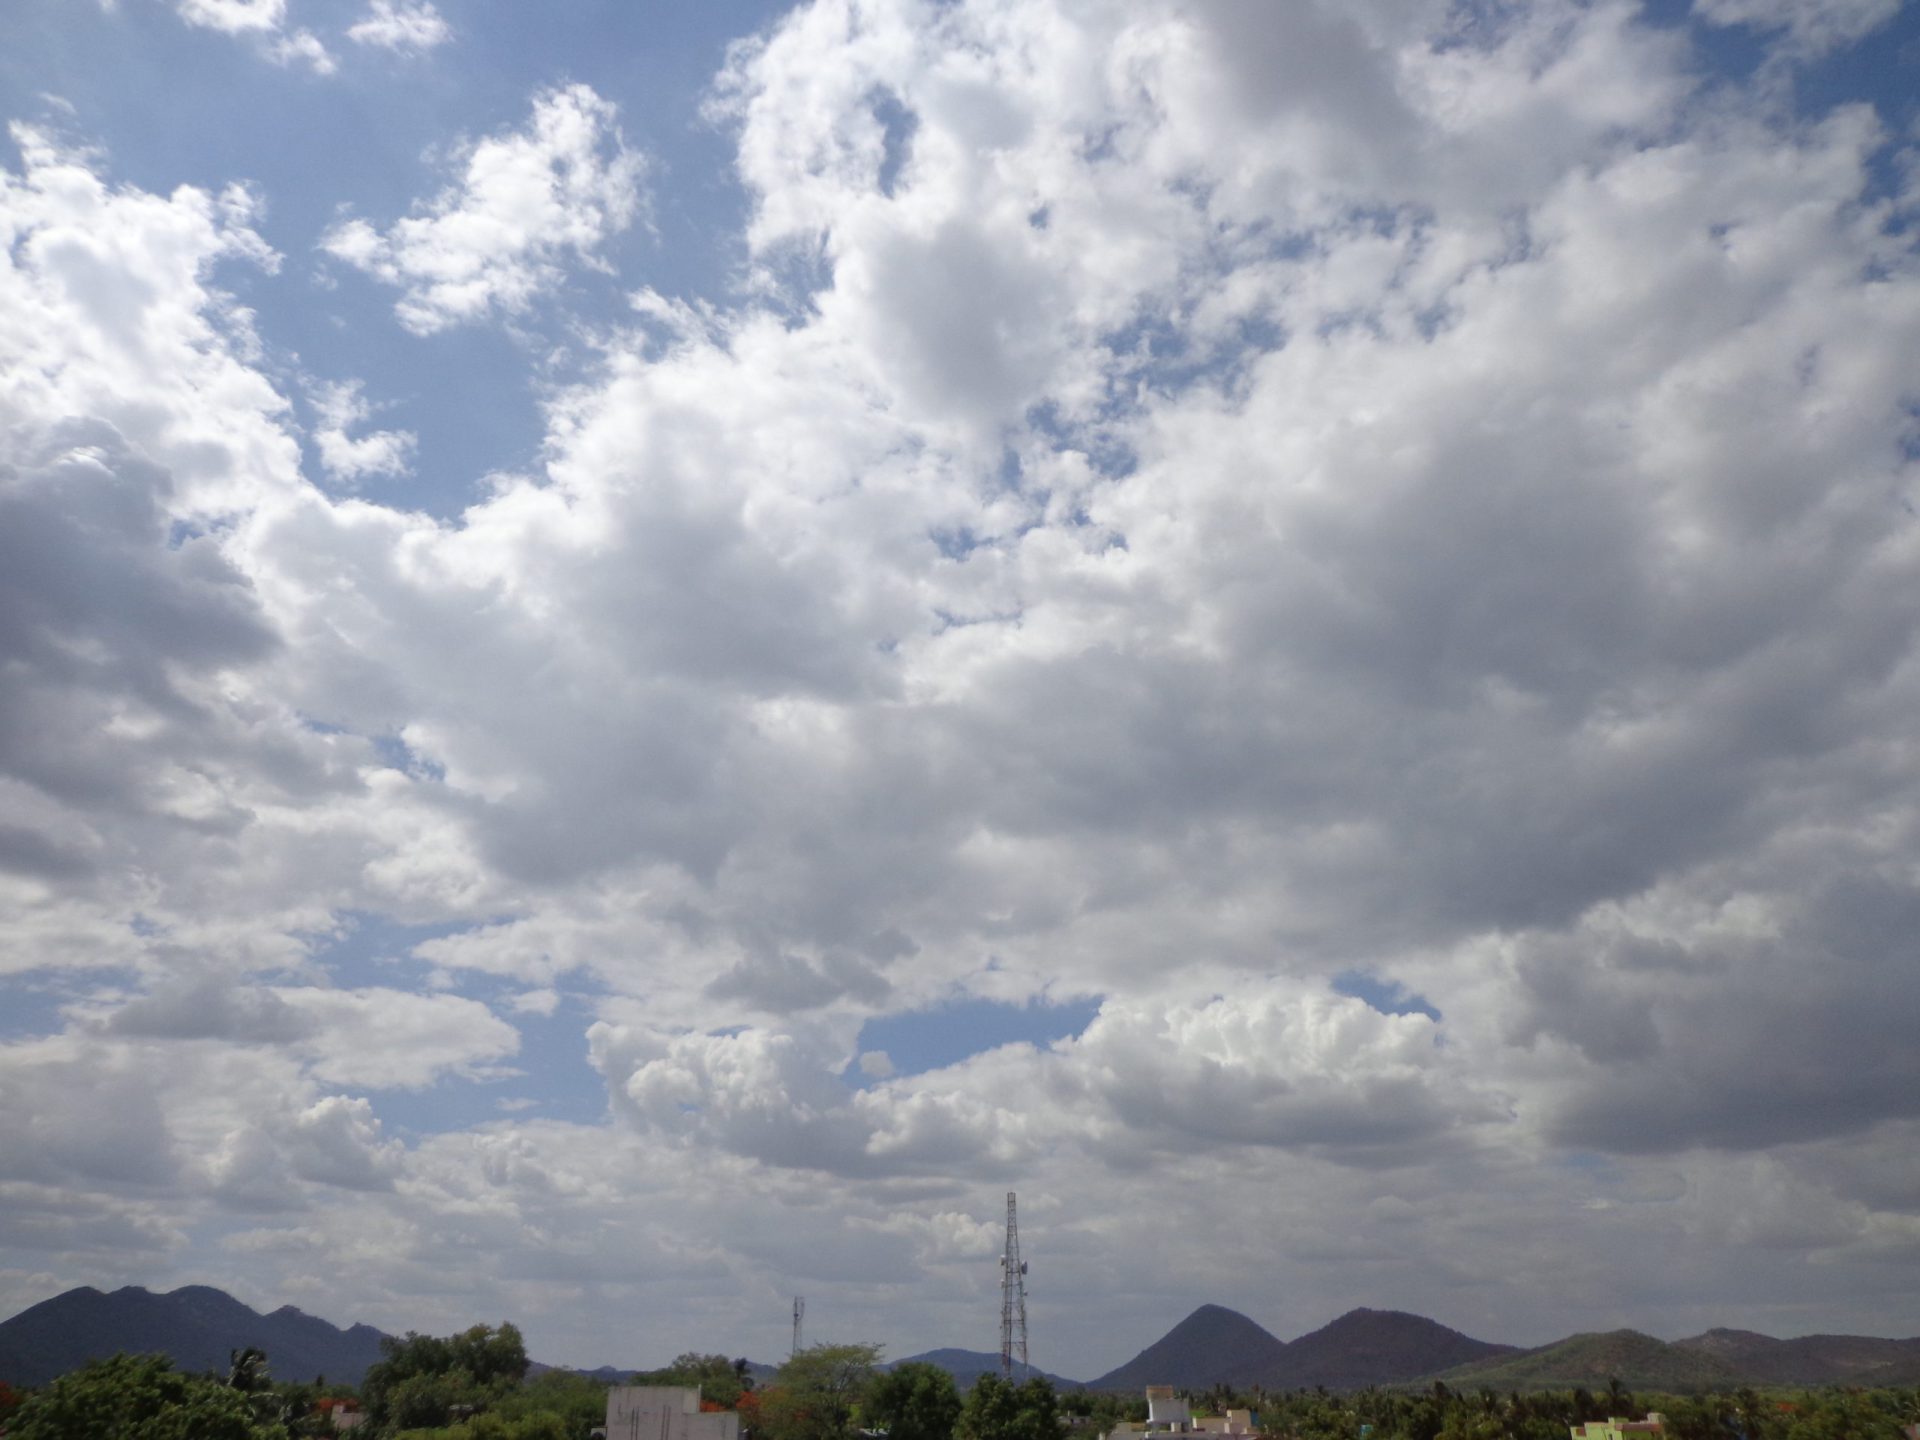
x=650, y=651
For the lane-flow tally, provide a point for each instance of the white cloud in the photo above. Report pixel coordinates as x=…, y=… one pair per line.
x=235, y=17
x=526, y=202
x=1199, y=500
x=1810, y=27
x=348, y=459
x=536, y=1002
x=303, y=47
x=264, y=21
x=409, y=26
x=381, y=1038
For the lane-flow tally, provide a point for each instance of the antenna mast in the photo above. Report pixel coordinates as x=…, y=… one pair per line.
x=799, y=1312
x=1013, y=1299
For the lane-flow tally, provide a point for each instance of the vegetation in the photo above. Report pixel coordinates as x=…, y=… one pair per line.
x=427, y=1381
x=473, y=1386
x=998, y=1410
x=816, y=1394
x=722, y=1381
x=913, y=1401
x=1444, y=1412
x=139, y=1397
x=1590, y=1359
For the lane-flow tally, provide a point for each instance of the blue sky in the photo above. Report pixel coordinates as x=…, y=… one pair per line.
x=677, y=643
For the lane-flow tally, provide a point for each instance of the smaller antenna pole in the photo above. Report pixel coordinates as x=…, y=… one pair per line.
x=799, y=1313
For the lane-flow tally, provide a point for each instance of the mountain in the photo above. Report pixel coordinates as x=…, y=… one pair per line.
x=1376, y=1347
x=1211, y=1346
x=1810, y=1359
x=197, y=1325
x=1640, y=1362
x=967, y=1366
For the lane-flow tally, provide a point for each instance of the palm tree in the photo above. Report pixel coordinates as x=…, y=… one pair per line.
x=248, y=1370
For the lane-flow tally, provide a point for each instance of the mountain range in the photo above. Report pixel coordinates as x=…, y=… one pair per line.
x=1215, y=1346
x=967, y=1366
x=199, y=1327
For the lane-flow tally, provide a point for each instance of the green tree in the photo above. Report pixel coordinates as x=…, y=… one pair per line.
x=996, y=1410
x=721, y=1380
x=247, y=1371
x=420, y=1380
x=579, y=1401
x=814, y=1395
x=913, y=1401
x=138, y=1397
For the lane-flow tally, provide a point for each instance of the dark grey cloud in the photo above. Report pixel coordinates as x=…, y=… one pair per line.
x=1740, y=1044
x=789, y=984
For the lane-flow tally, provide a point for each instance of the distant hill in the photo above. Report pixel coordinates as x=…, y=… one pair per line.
x=1376, y=1347
x=967, y=1366
x=197, y=1325
x=1639, y=1361
x=1811, y=1359
x=1211, y=1346
x=620, y=1374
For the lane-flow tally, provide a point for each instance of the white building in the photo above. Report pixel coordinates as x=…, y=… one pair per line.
x=665, y=1412
x=1168, y=1414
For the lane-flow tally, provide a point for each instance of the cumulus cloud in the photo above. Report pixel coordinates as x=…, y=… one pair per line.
x=399, y=25
x=379, y=1038
x=235, y=17
x=1312, y=1073
x=349, y=458
x=1193, y=502
x=265, y=21
x=526, y=203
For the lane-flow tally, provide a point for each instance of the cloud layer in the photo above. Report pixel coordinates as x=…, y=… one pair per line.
x=1183, y=506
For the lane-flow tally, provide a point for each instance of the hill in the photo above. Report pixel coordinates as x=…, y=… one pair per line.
x=967, y=1366
x=1810, y=1359
x=197, y=1325
x=1376, y=1347
x=759, y=1373
x=1640, y=1362
x=1211, y=1346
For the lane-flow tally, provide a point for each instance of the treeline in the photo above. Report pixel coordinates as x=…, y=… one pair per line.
x=474, y=1386
x=1443, y=1413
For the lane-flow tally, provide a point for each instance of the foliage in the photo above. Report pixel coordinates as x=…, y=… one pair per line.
x=814, y=1395
x=1487, y=1413
x=540, y=1425
x=422, y=1379
x=997, y=1410
x=248, y=1371
x=579, y=1402
x=138, y=1397
x=721, y=1381
x=913, y=1401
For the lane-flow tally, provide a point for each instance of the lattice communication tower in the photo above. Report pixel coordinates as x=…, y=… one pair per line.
x=799, y=1314
x=1013, y=1299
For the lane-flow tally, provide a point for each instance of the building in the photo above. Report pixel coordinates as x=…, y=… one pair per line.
x=665, y=1412
x=342, y=1412
x=1618, y=1428
x=1168, y=1414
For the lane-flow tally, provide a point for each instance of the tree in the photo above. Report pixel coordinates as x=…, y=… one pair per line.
x=420, y=1379
x=813, y=1396
x=913, y=1401
x=248, y=1371
x=996, y=1410
x=721, y=1380
x=578, y=1401
x=138, y=1397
